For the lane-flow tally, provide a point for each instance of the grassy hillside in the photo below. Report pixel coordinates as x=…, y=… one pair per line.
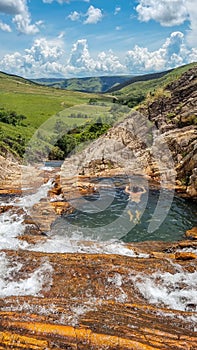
x=89, y=84
x=136, y=92
x=25, y=106
x=37, y=104
x=138, y=78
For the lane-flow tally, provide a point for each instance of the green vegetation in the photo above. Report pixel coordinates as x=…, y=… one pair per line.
x=11, y=140
x=11, y=117
x=77, y=136
x=62, y=120
x=90, y=84
x=59, y=135
x=187, y=120
x=25, y=106
x=136, y=92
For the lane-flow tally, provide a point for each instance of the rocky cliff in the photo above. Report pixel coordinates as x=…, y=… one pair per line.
x=174, y=113
x=158, y=140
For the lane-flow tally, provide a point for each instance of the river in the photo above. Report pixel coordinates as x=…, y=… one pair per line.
x=89, y=229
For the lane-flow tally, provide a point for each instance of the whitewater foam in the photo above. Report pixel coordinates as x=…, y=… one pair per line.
x=116, y=280
x=12, y=223
x=28, y=201
x=78, y=244
x=175, y=291
x=11, y=226
x=188, y=250
x=37, y=281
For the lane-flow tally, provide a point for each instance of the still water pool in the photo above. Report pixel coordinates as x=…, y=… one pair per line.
x=111, y=213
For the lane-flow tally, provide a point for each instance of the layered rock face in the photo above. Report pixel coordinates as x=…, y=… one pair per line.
x=175, y=115
x=83, y=301
x=9, y=173
x=157, y=140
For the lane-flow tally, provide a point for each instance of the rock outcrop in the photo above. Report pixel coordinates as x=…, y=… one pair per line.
x=96, y=302
x=9, y=173
x=174, y=113
x=158, y=140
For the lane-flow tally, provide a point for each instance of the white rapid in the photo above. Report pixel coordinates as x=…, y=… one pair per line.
x=32, y=285
x=11, y=228
x=70, y=241
x=78, y=244
x=27, y=201
x=176, y=291
x=12, y=221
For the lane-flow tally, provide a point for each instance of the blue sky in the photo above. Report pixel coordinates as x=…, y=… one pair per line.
x=62, y=38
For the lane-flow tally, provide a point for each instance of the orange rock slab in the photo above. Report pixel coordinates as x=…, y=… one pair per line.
x=87, y=307
x=192, y=233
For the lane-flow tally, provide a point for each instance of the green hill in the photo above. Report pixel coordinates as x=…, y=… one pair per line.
x=135, y=91
x=89, y=84
x=138, y=78
x=26, y=105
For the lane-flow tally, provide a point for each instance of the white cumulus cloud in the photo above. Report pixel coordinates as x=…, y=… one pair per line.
x=117, y=10
x=74, y=16
x=23, y=24
x=12, y=7
x=174, y=52
x=108, y=62
x=170, y=13
x=45, y=50
x=81, y=61
x=166, y=12
x=5, y=27
x=94, y=15
x=47, y=58
x=18, y=9
x=42, y=59
x=80, y=57
x=192, y=10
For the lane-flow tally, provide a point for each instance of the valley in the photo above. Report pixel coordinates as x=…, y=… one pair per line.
x=98, y=232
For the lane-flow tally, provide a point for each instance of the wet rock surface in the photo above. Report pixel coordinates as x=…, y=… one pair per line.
x=92, y=302
x=192, y=233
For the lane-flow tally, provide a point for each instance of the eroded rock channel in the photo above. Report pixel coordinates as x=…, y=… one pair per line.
x=78, y=293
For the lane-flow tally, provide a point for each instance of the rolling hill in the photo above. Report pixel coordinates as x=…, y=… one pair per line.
x=138, y=78
x=88, y=84
x=26, y=105
x=133, y=92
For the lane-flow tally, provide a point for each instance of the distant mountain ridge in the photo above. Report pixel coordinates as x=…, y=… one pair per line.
x=87, y=84
x=100, y=84
x=138, y=78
